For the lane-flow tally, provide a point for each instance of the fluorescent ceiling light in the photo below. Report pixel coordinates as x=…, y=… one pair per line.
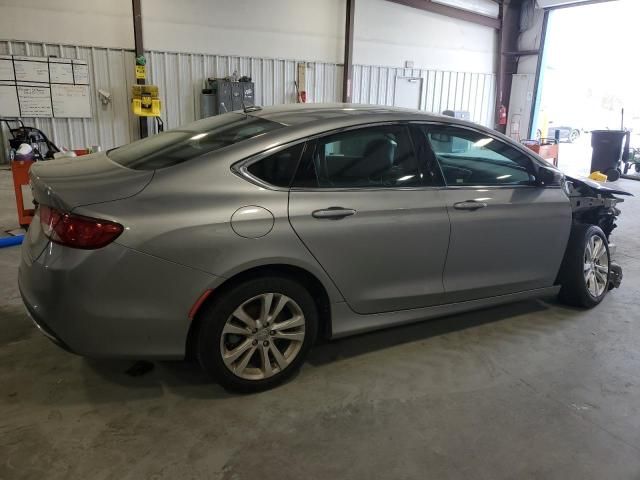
x=556, y=3
x=198, y=136
x=488, y=8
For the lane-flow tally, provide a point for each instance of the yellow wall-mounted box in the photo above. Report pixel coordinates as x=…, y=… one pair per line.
x=141, y=72
x=146, y=111
x=145, y=101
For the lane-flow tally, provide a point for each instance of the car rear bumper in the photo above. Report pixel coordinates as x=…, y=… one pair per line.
x=112, y=302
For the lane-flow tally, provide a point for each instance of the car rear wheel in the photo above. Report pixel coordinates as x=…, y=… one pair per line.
x=258, y=334
x=584, y=274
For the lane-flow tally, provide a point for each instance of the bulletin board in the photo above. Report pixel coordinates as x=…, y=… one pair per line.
x=44, y=87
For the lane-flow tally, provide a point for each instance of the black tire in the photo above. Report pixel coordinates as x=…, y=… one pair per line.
x=215, y=315
x=637, y=167
x=574, y=290
x=613, y=174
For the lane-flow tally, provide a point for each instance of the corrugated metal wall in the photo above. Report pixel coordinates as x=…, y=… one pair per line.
x=473, y=92
x=181, y=76
x=111, y=70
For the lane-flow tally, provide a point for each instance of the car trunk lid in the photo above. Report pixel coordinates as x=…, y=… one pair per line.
x=72, y=182
x=66, y=184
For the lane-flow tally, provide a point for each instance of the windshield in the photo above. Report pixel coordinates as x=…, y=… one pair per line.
x=190, y=141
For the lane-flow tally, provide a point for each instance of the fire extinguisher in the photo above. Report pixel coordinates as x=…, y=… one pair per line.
x=301, y=94
x=502, y=115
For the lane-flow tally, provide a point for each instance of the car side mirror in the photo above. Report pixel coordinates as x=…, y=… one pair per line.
x=548, y=176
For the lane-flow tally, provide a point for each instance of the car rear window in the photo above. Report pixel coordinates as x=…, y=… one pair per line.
x=278, y=169
x=190, y=141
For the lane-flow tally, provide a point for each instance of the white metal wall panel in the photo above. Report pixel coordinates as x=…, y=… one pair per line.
x=181, y=76
x=473, y=92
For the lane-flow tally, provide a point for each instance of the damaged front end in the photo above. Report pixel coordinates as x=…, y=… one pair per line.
x=595, y=204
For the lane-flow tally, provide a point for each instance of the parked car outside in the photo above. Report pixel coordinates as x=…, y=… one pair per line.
x=241, y=239
x=564, y=133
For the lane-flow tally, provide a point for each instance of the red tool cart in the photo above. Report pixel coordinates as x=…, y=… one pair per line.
x=20, y=171
x=42, y=148
x=547, y=148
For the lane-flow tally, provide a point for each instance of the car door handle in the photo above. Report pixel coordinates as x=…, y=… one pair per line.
x=469, y=205
x=333, y=213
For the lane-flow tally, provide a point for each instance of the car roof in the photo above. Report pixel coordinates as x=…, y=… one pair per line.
x=301, y=113
x=306, y=119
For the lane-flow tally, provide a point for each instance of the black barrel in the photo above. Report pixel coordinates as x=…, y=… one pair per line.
x=607, y=151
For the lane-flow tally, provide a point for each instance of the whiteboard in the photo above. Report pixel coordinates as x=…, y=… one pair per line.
x=70, y=101
x=9, y=101
x=80, y=72
x=34, y=101
x=44, y=87
x=31, y=69
x=6, y=68
x=61, y=73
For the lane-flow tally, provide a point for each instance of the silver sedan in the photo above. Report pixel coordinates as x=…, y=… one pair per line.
x=240, y=239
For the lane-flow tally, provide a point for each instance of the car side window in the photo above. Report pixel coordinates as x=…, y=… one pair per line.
x=278, y=169
x=469, y=157
x=371, y=157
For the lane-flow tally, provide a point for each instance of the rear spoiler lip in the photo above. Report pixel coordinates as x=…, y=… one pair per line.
x=71, y=186
x=44, y=194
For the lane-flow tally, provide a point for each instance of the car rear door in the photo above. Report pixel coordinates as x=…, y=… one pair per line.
x=508, y=234
x=370, y=214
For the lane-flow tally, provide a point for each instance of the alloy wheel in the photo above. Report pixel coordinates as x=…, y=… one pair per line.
x=573, y=136
x=262, y=336
x=596, y=266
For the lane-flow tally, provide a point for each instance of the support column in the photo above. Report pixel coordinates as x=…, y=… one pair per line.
x=347, y=76
x=139, y=47
x=507, y=60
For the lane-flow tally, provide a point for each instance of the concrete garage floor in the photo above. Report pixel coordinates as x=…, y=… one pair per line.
x=529, y=390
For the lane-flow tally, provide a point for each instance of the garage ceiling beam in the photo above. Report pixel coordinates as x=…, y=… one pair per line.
x=453, y=12
x=347, y=74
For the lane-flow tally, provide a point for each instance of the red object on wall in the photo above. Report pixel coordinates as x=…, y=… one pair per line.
x=502, y=115
x=20, y=172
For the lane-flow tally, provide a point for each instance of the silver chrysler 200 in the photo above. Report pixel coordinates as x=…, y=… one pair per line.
x=240, y=239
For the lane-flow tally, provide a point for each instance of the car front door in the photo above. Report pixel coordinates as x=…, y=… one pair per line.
x=508, y=233
x=370, y=214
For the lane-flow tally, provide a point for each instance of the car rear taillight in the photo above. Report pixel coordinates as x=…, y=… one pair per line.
x=77, y=231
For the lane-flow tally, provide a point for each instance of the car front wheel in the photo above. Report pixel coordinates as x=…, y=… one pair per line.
x=257, y=334
x=584, y=274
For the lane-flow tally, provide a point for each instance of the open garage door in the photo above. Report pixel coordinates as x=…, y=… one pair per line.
x=587, y=77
